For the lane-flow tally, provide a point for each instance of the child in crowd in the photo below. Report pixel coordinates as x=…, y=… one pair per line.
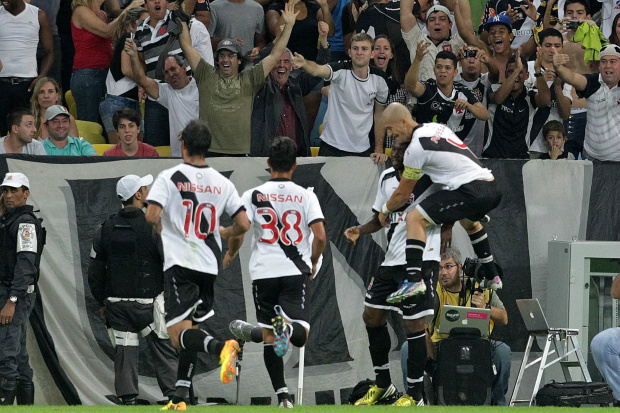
x=555, y=138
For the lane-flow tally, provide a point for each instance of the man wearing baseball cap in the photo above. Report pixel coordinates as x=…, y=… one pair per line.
x=21, y=245
x=227, y=92
x=602, y=93
x=126, y=278
x=439, y=25
x=59, y=142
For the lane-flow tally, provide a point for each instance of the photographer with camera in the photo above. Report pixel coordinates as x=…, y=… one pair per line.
x=458, y=285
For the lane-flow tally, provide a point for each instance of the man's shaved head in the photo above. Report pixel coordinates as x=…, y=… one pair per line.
x=398, y=122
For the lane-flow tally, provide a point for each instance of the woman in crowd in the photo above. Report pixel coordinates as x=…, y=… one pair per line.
x=46, y=93
x=122, y=92
x=384, y=59
x=614, y=37
x=92, y=38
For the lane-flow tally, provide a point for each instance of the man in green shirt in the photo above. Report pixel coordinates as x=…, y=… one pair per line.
x=59, y=141
x=226, y=95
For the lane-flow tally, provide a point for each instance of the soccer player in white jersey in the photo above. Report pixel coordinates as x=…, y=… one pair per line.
x=287, y=242
x=186, y=202
x=472, y=192
x=387, y=280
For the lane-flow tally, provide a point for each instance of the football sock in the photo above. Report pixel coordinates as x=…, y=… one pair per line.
x=256, y=335
x=379, y=340
x=482, y=248
x=413, y=253
x=298, y=334
x=200, y=340
x=416, y=359
x=185, y=372
x=275, y=367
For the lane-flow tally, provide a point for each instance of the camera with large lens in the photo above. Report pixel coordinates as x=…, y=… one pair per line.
x=469, y=267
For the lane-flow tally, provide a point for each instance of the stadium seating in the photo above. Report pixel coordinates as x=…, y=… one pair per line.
x=163, y=150
x=91, y=131
x=102, y=147
x=70, y=102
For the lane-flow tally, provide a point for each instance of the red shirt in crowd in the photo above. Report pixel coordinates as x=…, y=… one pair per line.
x=144, y=149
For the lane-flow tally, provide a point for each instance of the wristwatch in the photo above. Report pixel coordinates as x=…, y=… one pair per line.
x=13, y=299
x=538, y=74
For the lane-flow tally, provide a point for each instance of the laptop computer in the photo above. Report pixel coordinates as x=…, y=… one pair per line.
x=453, y=316
x=533, y=315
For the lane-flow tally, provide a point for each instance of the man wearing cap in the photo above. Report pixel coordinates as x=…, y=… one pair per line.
x=499, y=39
x=179, y=94
x=602, y=93
x=227, y=92
x=126, y=278
x=439, y=27
x=21, y=134
x=59, y=142
x=21, y=244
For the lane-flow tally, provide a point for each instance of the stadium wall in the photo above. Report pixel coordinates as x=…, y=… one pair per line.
x=542, y=200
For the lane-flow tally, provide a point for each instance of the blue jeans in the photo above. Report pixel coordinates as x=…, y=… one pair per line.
x=88, y=88
x=501, y=356
x=113, y=104
x=605, y=347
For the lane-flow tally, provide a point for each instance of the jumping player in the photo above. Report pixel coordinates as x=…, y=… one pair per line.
x=472, y=192
x=288, y=240
x=391, y=273
x=186, y=203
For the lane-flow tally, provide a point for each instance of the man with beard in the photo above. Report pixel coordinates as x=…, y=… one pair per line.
x=21, y=134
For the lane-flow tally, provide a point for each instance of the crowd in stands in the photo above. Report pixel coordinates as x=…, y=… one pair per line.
x=536, y=79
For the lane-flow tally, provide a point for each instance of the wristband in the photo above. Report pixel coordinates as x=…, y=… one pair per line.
x=538, y=74
x=385, y=210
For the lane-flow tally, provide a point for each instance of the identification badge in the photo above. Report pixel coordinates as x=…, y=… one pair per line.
x=26, y=238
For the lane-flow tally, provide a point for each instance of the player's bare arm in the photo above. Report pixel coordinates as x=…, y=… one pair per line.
x=240, y=226
x=234, y=245
x=153, y=216
x=398, y=198
x=352, y=234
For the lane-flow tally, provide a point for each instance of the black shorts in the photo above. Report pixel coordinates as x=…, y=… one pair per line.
x=472, y=201
x=388, y=280
x=289, y=292
x=188, y=295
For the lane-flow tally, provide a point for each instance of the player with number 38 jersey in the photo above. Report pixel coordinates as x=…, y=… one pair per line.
x=281, y=213
x=195, y=198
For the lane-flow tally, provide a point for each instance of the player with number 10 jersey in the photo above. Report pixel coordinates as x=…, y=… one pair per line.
x=194, y=198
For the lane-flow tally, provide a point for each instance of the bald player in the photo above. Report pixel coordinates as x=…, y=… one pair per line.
x=471, y=192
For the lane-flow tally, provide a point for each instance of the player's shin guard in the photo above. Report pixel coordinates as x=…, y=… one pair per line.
x=379, y=340
x=298, y=335
x=185, y=372
x=275, y=367
x=482, y=248
x=413, y=253
x=416, y=359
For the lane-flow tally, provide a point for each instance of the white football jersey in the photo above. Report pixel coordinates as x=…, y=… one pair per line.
x=281, y=213
x=397, y=231
x=193, y=198
x=437, y=152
